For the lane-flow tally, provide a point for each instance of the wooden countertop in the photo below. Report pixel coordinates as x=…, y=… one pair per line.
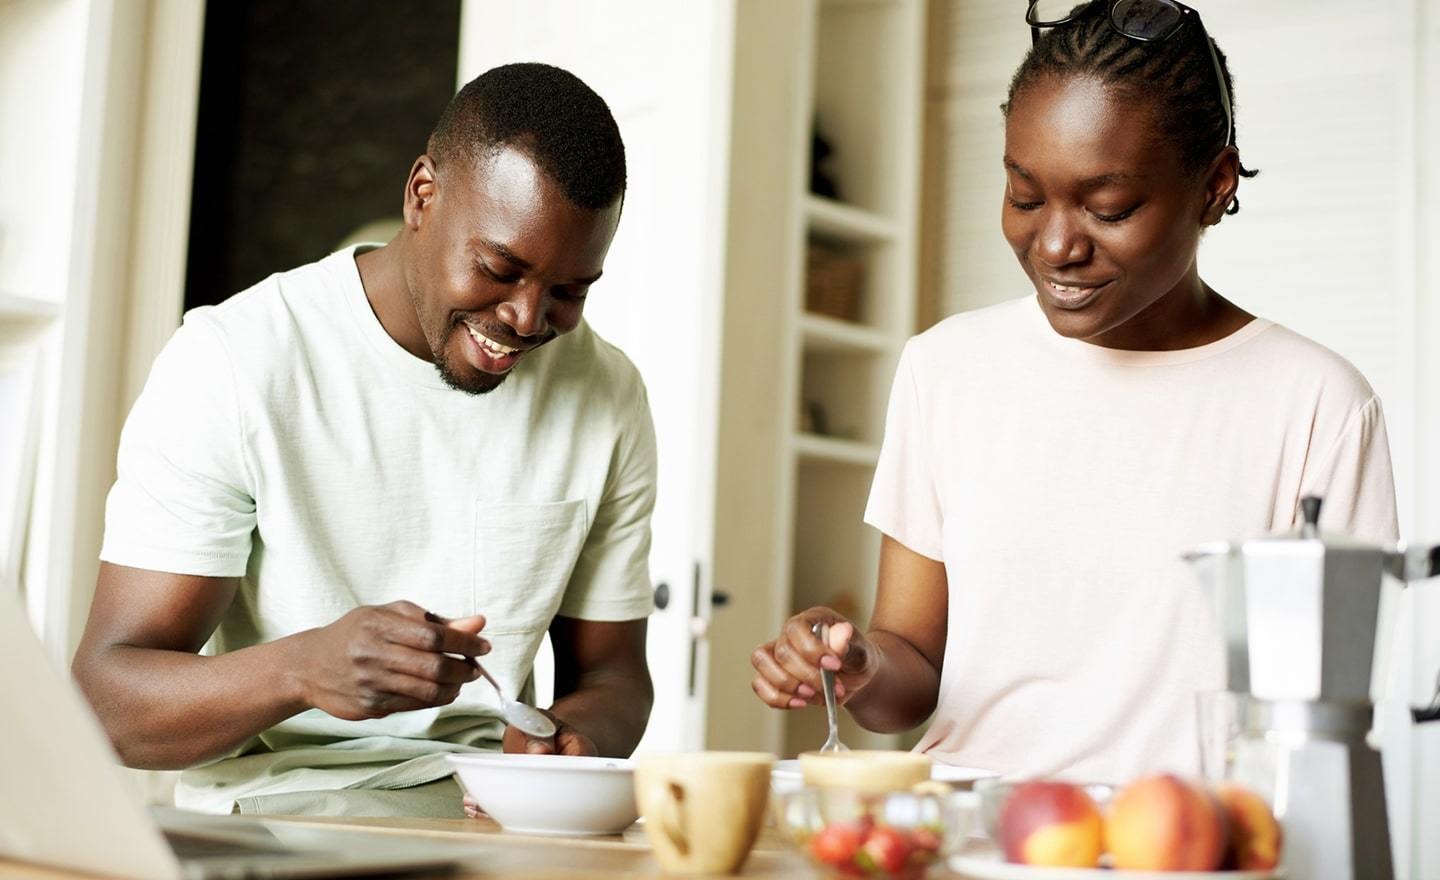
x=499, y=854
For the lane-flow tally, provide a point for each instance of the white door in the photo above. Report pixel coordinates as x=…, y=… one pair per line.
x=663, y=67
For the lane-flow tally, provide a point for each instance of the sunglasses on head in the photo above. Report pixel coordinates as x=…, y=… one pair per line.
x=1146, y=21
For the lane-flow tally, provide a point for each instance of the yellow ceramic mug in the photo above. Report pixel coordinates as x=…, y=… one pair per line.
x=703, y=810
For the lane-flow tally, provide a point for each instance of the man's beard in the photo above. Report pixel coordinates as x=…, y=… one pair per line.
x=481, y=383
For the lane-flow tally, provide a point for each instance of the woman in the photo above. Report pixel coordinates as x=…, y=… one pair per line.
x=1048, y=460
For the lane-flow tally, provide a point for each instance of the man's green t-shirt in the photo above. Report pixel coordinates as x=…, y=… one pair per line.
x=284, y=438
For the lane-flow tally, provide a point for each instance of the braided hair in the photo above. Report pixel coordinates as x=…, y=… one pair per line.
x=1175, y=74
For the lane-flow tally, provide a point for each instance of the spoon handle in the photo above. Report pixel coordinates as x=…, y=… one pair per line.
x=827, y=679
x=493, y=683
x=827, y=683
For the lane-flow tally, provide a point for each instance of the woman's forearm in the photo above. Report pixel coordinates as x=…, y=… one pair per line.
x=904, y=690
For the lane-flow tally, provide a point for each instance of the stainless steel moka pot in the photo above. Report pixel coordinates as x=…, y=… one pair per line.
x=1298, y=612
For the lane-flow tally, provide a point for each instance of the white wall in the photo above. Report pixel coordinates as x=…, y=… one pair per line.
x=1337, y=105
x=1426, y=522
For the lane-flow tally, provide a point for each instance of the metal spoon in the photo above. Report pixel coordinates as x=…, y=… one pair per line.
x=526, y=719
x=522, y=717
x=827, y=681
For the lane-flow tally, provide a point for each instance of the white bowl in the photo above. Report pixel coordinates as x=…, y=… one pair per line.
x=551, y=794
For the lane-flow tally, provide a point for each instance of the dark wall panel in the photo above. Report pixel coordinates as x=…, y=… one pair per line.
x=310, y=115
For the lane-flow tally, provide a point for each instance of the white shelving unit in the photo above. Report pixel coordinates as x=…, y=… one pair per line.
x=829, y=217
x=819, y=448
x=802, y=394
x=39, y=122
x=102, y=94
x=862, y=88
x=705, y=291
x=27, y=308
x=25, y=318
x=823, y=333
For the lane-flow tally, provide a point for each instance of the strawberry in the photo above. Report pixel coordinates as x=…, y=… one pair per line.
x=887, y=849
x=927, y=839
x=836, y=844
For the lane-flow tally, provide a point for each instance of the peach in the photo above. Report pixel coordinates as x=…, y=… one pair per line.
x=1255, y=835
x=1051, y=823
x=1163, y=823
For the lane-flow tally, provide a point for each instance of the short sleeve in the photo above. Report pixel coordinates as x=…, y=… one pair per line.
x=183, y=499
x=904, y=503
x=1355, y=480
x=611, y=580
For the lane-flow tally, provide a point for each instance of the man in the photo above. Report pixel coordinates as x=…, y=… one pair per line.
x=357, y=477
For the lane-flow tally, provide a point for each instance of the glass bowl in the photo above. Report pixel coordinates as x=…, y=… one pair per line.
x=847, y=833
x=993, y=793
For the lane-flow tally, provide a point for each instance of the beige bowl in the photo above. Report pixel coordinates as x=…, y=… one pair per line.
x=864, y=770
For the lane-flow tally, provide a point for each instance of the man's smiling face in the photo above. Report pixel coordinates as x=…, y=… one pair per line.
x=500, y=263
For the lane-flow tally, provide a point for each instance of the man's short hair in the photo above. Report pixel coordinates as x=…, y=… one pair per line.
x=548, y=114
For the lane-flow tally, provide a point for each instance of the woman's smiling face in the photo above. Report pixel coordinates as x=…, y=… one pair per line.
x=1100, y=213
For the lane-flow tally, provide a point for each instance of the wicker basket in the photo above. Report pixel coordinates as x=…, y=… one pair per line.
x=834, y=282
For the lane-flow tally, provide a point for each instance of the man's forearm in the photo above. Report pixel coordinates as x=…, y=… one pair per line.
x=903, y=692
x=168, y=710
x=611, y=711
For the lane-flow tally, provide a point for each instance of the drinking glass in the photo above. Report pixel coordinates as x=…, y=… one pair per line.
x=1218, y=722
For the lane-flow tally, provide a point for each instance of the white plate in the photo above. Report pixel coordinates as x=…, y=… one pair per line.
x=992, y=866
x=953, y=773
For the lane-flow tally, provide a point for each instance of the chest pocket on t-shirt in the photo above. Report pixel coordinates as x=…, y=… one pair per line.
x=524, y=554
